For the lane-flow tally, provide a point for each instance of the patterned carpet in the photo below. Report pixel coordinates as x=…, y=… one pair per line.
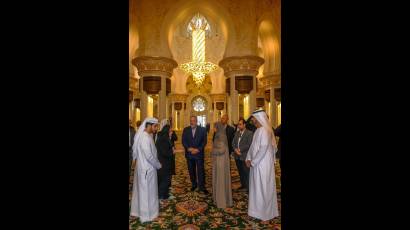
x=193, y=210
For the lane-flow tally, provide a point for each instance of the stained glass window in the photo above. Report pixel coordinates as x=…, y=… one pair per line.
x=198, y=22
x=199, y=104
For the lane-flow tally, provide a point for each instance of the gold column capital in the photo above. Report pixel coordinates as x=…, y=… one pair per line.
x=174, y=97
x=218, y=97
x=241, y=65
x=271, y=80
x=154, y=66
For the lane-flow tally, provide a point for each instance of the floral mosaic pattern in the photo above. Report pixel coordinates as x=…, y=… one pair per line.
x=193, y=210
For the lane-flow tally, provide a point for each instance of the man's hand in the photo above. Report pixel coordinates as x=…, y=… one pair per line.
x=194, y=151
x=190, y=149
x=248, y=163
x=238, y=151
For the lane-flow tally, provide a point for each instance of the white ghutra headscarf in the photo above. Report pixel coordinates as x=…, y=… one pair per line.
x=137, y=137
x=261, y=116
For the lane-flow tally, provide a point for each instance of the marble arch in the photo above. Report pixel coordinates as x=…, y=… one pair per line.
x=223, y=40
x=184, y=10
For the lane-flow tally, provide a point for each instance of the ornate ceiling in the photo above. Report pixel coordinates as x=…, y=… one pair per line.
x=239, y=28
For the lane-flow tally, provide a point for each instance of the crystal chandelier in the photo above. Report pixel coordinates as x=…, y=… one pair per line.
x=198, y=67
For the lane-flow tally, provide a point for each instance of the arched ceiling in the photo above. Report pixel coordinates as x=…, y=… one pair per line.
x=270, y=44
x=157, y=29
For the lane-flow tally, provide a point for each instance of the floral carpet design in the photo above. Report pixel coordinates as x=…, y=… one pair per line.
x=193, y=210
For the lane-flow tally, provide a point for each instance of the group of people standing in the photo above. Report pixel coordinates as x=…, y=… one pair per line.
x=254, y=154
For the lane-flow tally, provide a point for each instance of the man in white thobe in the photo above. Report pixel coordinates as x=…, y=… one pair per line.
x=144, y=203
x=262, y=202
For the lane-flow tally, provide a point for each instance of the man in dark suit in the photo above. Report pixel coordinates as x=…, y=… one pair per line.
x=230, y=132
x=241, y=143
x=194, y=140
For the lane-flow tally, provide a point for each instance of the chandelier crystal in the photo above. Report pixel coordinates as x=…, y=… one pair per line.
x=198, y=67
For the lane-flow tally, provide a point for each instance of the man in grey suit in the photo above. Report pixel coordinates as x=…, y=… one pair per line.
x=241, y=143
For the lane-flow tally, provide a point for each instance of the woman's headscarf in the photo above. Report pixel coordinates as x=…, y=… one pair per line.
x=164, y=133
x=164, y=122
x=220, y=144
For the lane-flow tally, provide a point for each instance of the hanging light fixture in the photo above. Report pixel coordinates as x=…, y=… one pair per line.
x=198, y=67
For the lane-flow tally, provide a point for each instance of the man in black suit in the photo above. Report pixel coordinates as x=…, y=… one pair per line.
x=194, y=140
x=230, y=132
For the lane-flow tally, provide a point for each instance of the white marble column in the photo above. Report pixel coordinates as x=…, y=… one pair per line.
x=229, y=106
x=240, y=66
x=177, y=119
x=154, y=66
x=133, y=111
x=252, y=97
x=144, y=102
x=215, y=117
x=234, y=101
x=181, y=118
x=167, y=108
x=174, y=125
x=133, y=86
x=225, y=110
x=162, y=106
x=187, y=116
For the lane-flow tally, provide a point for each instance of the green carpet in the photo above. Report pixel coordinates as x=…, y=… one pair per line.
x=193, y=210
